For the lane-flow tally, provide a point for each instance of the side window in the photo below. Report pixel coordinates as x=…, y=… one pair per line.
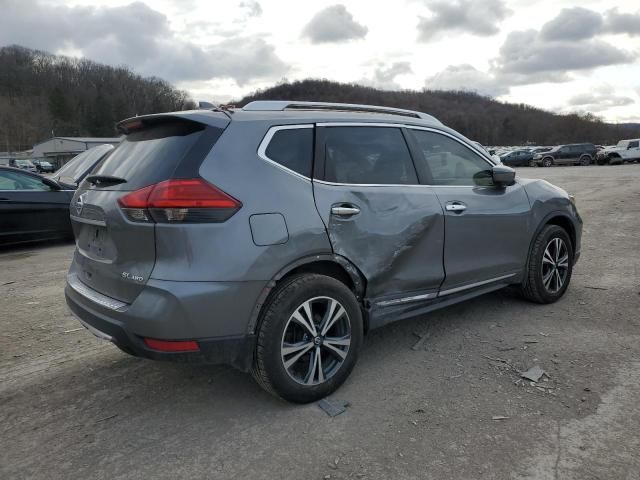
x=450, y=162
x=633, y=144
x=20, y=181
x=368, y=155
x=292, y=148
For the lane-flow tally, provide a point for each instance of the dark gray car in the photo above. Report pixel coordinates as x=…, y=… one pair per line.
x=273, y=237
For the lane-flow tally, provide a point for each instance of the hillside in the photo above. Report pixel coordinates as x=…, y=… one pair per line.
x=41, y=93
x=480, y=118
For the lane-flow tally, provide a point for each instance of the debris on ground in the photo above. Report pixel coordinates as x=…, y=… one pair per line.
x=107, y=418
x=505, y=349
x=333, y=407
x=422, y=338
x=8, y=283
x=500, y=417
x=595, y=288
x=74, y=330
x=534, y=374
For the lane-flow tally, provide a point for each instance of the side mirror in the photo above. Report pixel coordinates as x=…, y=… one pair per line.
x=52, y=184
x=503, y=176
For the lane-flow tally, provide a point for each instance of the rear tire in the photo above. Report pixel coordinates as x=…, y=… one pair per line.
x=301, y=361
x=549, y=267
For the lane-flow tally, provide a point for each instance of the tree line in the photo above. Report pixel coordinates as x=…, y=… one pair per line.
x=482, y=119
x=43, y=94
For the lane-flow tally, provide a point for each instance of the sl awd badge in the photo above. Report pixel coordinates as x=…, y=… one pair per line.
x=131, y=276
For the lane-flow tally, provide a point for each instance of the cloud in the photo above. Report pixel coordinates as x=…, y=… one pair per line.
x=616, y=22
x=468, y=78
x=384, y=76
x=599, y=99
x=139, y=37
x=580, y=23
x=573, y=24
x=477, y=17
x=333, y=24
x=252, y=8
x=528, y=52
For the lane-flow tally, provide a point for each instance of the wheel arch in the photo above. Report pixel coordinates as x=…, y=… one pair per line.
x=561, y=219
x=331, y=265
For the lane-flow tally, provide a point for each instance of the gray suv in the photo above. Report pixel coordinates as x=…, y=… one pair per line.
x=273, y=237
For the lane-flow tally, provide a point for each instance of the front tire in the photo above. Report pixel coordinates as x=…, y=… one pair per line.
x=309, y=337
x=585, y=160
x=549, y=267
x=547, y=162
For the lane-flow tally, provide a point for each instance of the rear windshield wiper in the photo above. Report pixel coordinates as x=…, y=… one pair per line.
x=99, y=180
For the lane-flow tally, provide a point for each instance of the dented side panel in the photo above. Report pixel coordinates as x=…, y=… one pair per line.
x=396, y=240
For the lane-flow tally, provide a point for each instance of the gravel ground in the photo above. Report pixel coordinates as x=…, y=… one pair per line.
x=72, y=406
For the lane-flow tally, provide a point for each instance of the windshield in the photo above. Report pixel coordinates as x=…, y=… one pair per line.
x=24, y=163
x=622, y=144
x=80, y=165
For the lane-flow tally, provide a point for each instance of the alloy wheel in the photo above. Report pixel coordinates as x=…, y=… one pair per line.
x=555, y=265
x=316, y=341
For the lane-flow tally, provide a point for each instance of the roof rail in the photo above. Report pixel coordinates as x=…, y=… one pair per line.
x=281, y=105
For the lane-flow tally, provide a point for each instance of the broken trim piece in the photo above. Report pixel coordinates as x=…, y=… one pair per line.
x=473, y=285
x=414, y=298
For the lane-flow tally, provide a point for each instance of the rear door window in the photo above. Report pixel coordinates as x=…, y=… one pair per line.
x=367, y=155
x=153, y=153
x=292, y=147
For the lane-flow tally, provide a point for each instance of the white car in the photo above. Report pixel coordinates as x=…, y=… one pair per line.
x=624, y=151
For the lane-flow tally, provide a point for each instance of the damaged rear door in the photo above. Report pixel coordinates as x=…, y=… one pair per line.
x=376, y=213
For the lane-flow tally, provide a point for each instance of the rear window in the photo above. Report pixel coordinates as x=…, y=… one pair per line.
x=153, y=153
x=77, y=168
x=292, y=148
x=368, y=155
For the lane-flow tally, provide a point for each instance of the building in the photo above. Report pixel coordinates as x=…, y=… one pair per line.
x=59, y=150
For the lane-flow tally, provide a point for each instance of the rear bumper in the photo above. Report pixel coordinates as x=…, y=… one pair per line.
x=215, y=314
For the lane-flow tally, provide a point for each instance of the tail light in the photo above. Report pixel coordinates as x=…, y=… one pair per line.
x=190, y=200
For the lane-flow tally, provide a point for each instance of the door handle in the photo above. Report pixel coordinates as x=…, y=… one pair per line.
x=345, y=210
x=457, y=207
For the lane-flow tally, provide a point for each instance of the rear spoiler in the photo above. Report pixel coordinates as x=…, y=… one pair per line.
x=217, y=118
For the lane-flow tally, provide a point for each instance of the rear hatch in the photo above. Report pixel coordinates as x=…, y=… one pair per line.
x=114, y=230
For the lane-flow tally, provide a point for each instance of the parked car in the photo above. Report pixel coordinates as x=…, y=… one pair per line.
x=76, y=169
x=625, y=151
x=574, y=154
x=32, y=207
x=23, y=164
x=274, y=238
x=518, y=158
x=496, y=159
x=42, y=166
x=540, y=150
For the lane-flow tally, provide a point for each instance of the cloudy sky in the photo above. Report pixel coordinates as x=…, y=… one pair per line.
x=562, y=55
